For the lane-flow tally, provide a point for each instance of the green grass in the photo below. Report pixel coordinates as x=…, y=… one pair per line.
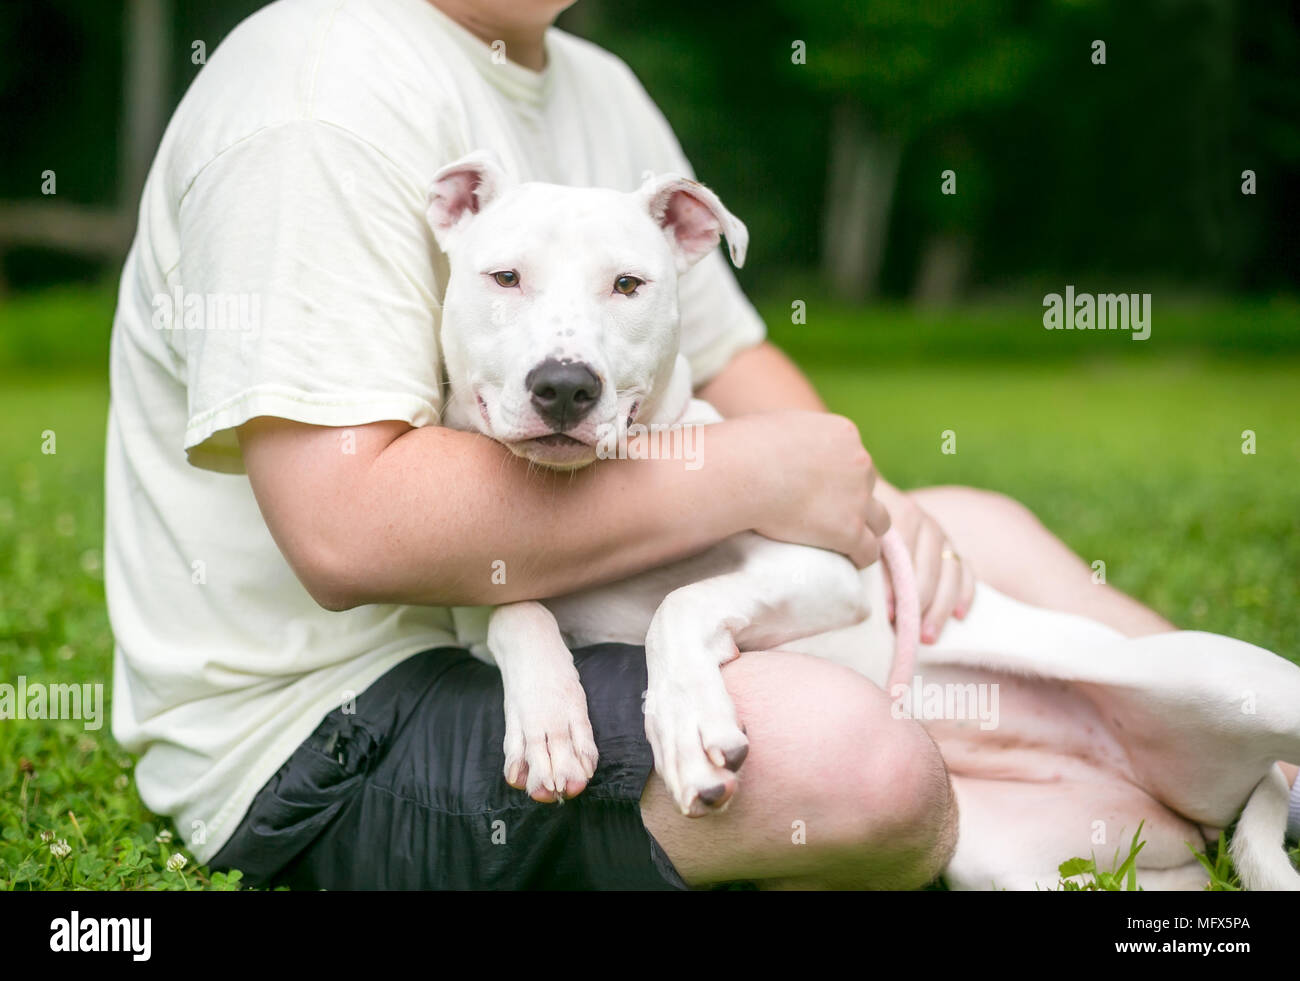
x=1011, y=328
x=1087, y=875
x=1139, y=466
x=60, y=779
x=1131, y=454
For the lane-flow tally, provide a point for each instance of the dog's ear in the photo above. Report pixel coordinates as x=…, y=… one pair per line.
x=693, y=219
x=462, y=189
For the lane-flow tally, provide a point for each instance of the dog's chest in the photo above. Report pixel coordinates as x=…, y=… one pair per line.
x=621, y=612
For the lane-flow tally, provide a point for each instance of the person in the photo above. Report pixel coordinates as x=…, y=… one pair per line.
x=288, y=525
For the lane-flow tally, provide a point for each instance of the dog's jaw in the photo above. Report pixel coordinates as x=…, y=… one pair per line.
x=555, y=452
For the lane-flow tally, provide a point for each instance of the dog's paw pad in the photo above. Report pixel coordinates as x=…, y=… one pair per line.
x=697, y=760
x=552, y=759
x=732, y=758
x=713, y=795
x=725, y=744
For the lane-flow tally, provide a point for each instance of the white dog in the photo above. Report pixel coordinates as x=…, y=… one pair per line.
x=560, y=331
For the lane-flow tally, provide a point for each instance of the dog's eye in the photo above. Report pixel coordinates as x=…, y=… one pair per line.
x=507, y=278
x=627, y=285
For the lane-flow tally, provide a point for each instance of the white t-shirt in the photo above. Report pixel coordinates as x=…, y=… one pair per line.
x=282, y=266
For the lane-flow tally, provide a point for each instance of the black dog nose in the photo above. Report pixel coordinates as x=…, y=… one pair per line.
x=563, y=392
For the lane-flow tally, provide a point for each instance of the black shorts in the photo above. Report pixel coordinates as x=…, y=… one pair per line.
x=407, y=792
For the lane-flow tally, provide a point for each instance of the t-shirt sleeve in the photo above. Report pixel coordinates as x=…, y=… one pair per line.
x=718, y=321
x=306, y=289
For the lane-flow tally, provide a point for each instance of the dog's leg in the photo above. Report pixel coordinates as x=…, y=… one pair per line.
x=782, y=592
x=1258, y=845
x=550, y=750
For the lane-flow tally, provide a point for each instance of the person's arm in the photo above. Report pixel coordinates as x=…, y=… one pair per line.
x=763, y=379
x=444, y=518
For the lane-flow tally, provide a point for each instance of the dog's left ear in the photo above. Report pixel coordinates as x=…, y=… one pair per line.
x=693, y=219
x=462, y=189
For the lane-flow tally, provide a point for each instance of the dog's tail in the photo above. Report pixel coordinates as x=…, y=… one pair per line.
x=907, y=608
x=1258, y=848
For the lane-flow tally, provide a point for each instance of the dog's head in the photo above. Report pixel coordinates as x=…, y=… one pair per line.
x=560, y=318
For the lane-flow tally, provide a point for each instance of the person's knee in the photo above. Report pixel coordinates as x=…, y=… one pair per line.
x=835, y=792
x=980, y=523
x=881, y=810
x=1005, y=510
x=975, y=506
x=917, y=832
x=898, y=816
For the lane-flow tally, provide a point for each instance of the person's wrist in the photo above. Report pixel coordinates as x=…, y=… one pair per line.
x=895, y=501
x=746, y=485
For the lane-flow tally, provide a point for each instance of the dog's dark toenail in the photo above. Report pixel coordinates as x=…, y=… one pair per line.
x=736, y=756
x=713, y=794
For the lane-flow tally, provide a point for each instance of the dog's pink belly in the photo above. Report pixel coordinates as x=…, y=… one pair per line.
x=1044, y=731
x=1052, y=779
x=1010, y=824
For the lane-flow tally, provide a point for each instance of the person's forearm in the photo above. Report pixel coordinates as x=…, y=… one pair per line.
x=760, y=379
x=445, y=518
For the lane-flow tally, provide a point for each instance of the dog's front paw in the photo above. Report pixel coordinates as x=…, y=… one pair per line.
x=698, y=747
x=550, y=750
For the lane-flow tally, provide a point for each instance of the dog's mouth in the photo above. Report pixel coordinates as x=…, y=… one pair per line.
x=557, y=441
x=556, y=451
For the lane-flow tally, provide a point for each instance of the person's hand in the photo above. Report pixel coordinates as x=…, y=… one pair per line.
x=814, y=482
x=945, y=581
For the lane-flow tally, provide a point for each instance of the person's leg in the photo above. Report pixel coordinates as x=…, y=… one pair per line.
x=1011, y=551
x=835, y=793
x=407, y=791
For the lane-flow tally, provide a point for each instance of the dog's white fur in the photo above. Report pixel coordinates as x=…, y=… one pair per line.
x=1097, y=732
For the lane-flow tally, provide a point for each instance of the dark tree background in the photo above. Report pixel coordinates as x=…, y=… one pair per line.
x=1065, y=169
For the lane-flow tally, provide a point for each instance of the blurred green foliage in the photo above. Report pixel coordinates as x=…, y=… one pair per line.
x=1130, y=170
